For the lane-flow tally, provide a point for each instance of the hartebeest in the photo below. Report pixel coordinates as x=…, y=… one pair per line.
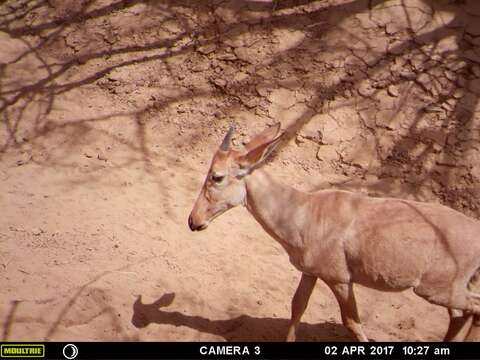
x=344, y=238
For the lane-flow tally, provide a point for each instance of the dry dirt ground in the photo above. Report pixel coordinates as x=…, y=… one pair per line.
x=110, y=112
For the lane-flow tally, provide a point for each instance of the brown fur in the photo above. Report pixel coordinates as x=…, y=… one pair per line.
x=345, y=238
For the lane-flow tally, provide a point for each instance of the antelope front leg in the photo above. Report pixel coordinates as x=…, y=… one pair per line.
x=299, y=303
x=474, y=334
x=460, y=325
x=348, y=308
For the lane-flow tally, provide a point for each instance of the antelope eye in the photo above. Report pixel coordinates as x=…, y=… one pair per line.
x=217, y=178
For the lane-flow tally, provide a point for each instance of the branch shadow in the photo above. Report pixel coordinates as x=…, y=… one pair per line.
x=16, y=99
x=61, y=319
x=7, y=327
x=106, y=308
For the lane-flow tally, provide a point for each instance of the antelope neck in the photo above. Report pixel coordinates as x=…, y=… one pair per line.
x=280, y=209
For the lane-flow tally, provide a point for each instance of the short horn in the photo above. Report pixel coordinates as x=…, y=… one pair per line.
x=227, y=140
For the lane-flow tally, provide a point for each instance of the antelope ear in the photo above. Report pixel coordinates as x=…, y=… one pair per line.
x=267, y=135
x=257, y=155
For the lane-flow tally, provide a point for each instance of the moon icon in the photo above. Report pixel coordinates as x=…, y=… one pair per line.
x=70, y=351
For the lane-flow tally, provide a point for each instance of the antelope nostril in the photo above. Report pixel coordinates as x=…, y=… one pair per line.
x=190, y=223
x=194, y=227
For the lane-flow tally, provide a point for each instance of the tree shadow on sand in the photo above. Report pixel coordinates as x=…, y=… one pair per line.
x=240, y=328
x=408, y=142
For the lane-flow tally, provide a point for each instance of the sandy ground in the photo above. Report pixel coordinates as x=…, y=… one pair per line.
x=111, y=111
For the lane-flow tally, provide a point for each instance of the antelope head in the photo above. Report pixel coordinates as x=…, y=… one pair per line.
x=224, y=186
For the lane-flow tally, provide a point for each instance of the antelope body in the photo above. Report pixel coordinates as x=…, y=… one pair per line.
x=344, y=238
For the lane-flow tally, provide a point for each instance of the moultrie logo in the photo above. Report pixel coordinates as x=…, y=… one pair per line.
x=22, y=351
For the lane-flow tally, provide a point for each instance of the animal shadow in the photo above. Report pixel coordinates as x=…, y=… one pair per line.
x=240, y=328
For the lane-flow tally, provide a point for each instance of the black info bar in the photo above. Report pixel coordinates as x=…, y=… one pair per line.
x=250, y=350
